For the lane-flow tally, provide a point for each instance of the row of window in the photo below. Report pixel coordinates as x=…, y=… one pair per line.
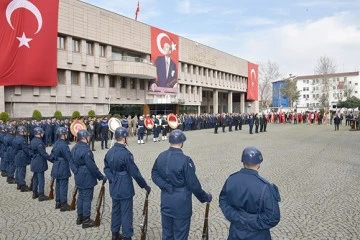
x=316, y=81
x=63, y=44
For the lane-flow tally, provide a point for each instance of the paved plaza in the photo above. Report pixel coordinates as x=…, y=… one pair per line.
x=316, y=169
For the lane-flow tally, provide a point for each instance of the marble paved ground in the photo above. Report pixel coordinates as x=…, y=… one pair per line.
x=316, y=169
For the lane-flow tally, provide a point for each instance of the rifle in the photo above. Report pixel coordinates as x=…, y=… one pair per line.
x=144, y=223
x=31, y=183
x=51, y=194
x=73, y=201
x=98, y=205
x=205, y=233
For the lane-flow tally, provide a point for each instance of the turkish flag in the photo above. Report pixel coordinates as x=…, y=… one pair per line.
x=253, y=83
x=28, y=42
x=137, y=11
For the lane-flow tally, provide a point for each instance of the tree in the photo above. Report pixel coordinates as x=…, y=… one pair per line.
x=75, y=115
x=58, y=114
x=352, y=102
x=91, y=114
x=289, y=90
x=325, y=67
x=268, y=72
x=36, y=115
x=4, y=116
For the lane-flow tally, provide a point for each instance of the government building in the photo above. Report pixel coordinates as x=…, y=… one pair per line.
x=106, y=63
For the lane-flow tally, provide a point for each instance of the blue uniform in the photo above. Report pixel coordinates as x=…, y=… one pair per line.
x=9, y=155
x=251, y=125
x=61, y=169
x=141, y=130
x=251, y=205
x=120, y=168
x=86, y=175
x=22, y=158
x=2, y=151
x=174, y=173
x=39, y=164
x=157, y=128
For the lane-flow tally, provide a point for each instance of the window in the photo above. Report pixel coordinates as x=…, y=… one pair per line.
x=334, y=87
x=123, y=82
x=307, y=96
x=337, y=79
x=345, y=78
x=90, y=48
x=61, y=76
x=304, y=81
x=182, y=67
x=307, y=105
x=307, y=89
x=317, y=104
x=102, y=51
x=133, y=83
x=304, y=96
x=61, y=43
x=75, y=78
x=112, y=81
x=317, y=80
x=356, y=84
x=76, y=45
x=88, y=80
x=101, y=80
x=356, y=91
x=314, y=96
x=333, y=79
x=189, y=68
x=307, y=81
x=142, y=84
x=304, y=88
x=349, y=82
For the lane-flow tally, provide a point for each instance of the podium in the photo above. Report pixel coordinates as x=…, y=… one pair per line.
x=353, y=125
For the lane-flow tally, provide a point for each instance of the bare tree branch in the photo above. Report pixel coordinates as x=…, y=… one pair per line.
x=268, y=72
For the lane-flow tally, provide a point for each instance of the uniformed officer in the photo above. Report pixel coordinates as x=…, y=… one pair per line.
x=141, y=130
x=22, y=157
x=217, y=123
x=256, y=122
x=9, y=154
x=119, y=168
x=157, y=128
x=2, y=150
x=61, y=169
x=248, y=201
x=86, y=175
x=39, y=164
x=251, y=124
x=174, y=173
x=165, y=128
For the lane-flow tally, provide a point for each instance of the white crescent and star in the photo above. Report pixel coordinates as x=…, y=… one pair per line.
x=16, y=4
x=252, y=76
x=158, y=42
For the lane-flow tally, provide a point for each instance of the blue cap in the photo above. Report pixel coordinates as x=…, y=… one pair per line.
x=121, y=132
x=251, y=156
x=177, y=136
x=38, y=130
x=61, y=131
x=82, y=134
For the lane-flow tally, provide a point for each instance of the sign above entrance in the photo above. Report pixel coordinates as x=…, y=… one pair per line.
x=165, y=56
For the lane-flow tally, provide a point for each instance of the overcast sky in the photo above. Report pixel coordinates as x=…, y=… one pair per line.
x=294, y=34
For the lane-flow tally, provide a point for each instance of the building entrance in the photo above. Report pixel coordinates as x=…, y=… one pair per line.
x=162, y=109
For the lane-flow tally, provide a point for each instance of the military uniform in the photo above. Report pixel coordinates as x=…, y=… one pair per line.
x=61, y=172
x=22, y=159
x=174, y=173
x=141, y=130
x=119, y=169
x=9, y=155
x=2, y=147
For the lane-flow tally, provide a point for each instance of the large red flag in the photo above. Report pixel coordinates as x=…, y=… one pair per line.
x=253, y=83
x=28, y=36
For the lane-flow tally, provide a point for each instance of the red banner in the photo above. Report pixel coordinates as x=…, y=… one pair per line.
x=28, y=38
x=253, y=82
x=165, y=56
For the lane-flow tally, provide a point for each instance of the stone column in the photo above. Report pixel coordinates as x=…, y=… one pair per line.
x=2, y=99
x=230, y=102
x=242, y=102
x=216, y=101
x=208, y=106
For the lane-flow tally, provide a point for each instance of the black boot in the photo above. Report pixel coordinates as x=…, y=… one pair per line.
x=42, y=197
x=64, y=207
x=3, y=174
x=35, y=195
x=11, y=180
x=57, y=205
x=24, y=188
x=79, y=219
x=116, y=236
x=18, y=187
x=88, y=223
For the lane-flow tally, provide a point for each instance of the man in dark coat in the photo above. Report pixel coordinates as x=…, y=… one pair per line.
x=104, y=132
x=250, y=202
x=9, y=154
x=174, y=173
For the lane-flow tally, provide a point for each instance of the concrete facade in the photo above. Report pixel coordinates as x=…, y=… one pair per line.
x=104, y=59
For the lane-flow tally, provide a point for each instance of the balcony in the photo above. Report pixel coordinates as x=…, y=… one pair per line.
x=133, y=67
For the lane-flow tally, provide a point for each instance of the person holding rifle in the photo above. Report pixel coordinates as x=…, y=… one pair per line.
x=174, y=173
x=86, y=175
x=61, y=170
x=120, y=168
x=39, y=164
x=250, y=202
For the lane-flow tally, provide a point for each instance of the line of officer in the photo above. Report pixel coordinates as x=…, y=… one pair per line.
x=2, y=147
x=250, y=202
x=61, y=169
x=120, y=168
x=174, y=173
x=9, y=154
x=39, y=164
x=86, y=175
x=22, y=157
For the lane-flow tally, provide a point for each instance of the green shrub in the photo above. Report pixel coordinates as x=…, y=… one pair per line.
x=117, y=116
x=91, y=114
x=58, y=115
x=75, y=115
x=36, y=115
x=4, y=116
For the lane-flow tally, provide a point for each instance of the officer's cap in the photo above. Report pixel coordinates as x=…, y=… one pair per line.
x=251, y=156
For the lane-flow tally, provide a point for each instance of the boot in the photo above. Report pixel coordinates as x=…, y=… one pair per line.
x=116, y=236
x=64, y=207
x=3, y=174
x=35, y=195
x=79, y=219
x=42, y=197
x=154, y=139
x=24, y=188
x=142, y=142
x=57, y=205
x=88, y=223
x=18, y=187
x=11, y=180
x=138, y=141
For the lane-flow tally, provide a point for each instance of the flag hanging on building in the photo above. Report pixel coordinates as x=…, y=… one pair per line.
x=253, y=82
x=28, y=37
x=137, y=11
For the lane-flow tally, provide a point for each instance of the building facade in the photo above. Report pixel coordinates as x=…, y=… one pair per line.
x=340, y=87
x=105, y=64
